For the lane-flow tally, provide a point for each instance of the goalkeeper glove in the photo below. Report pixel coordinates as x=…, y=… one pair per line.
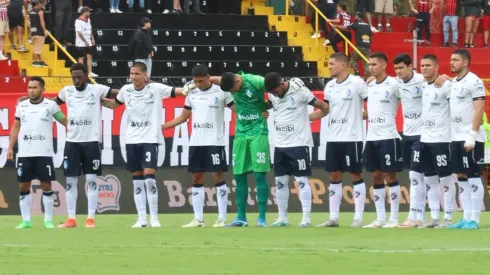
x=188, y=87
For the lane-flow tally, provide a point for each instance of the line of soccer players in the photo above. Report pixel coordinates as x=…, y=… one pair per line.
x=441, y=136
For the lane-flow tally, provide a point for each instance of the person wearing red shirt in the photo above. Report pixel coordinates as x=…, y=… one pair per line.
x=486, y=21
x=450, y=21
x=423, y=11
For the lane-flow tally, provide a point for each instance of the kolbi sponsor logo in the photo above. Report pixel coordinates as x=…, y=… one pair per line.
x=203, y=125
x=377, y=120
x=80, y=122
x=34, y=137
x=339, y=120
x=412, y=116
x=457, y=119
x=285, y=128
x=136, y=124
x=429, y=123
x=248, y=117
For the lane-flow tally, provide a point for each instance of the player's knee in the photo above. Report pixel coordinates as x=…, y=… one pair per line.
x=138, y=173
x=149, y=171
x=356, y=177
x=25, y=187
x=46, y=186
x=335, y=176
x=377, y=177
x=197, y=178
x=389, y=177
x=217, y=177
x=462, y=176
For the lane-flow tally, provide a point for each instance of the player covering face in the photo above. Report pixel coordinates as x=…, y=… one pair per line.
x=34, y=122
x=344, y=96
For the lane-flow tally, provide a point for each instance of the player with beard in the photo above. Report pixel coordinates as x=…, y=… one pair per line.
x=467, y=148
x=344, y=96
x=34, y=122
x=82, y=149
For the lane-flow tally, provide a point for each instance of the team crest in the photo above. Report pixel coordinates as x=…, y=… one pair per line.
x=109, y=193
x=249, y=93
x=20, y=171
x=65, y=164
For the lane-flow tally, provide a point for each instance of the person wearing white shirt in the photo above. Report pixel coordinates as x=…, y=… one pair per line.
x=84, y=38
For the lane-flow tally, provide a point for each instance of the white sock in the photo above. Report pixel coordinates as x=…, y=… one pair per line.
x=415, y=184
x=359, y=199
x=465, y=197
x=379, y=202
x=92, y=194
x=305, y=197
x=394, y=189
x=25, y=205
x=476, y=198
x=48, y=205
x=71, y=196
x=222, y=198
x=139, y=195
x=282, y=196
x=198, y=202
x=421, y=193
x=433, y=195
x=449, y=196
x=335, y=197
x=152, y=195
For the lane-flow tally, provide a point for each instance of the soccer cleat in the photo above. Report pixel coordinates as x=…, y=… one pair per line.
x=89, y=223
x=140, y=223
x=445, y=223
x=48, y=224
x=356, y=223
x=458, y=225
x=409, y=223
x=329, y=223
x=433, y=223
x=194, y=223
x=237, y=223
x=375, y=224
x=24, y=224
x=219, y=223
x=155, y=223
x=279, y=223
x=70, y=223
x=305, y=224
x=471, y=225
x=391, y=224
x=261, y=223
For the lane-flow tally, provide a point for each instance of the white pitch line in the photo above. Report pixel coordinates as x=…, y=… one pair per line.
x=283, y=249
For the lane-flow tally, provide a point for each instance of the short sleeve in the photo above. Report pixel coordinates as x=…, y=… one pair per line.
x=447, y=89
x=78, y=26
x=256, y=80
x=308, y=96
x=188, y=103
x=62, y=95
x=55, y=108
x=478, y=90
x=396, y=86
x=103, y=91
x=120, y=95
x=165, y=91
x=326, y=94
x=17, y=113
x=363, y=90
x=228, y=99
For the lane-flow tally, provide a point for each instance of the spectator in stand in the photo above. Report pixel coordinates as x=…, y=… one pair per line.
x=141, y=45
x=84, y=39
x=38, y=33
x=4, y=26
x=423, y=11
x=450, y=21
x=115, y=6
x=141, y=5
x=16, y=24
x=366, y=6
x=196, y=6
x=63, y=9
x=329, y=9
x=472, y=13
x=363, y=43
x=342, y=20
x=383, y=7
x=486, y=21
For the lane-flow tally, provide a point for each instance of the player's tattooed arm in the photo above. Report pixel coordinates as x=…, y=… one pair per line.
x=184, y=116
x=14, y=134
x=110, y=103
x=323, y=109
x=113, y=93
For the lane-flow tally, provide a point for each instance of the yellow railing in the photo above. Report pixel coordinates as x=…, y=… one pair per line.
x=317, y=13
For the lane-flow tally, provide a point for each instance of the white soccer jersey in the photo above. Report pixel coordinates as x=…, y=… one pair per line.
x=291, y=117
x=382, y=104
x=144, y=110
x=463, y=92
x=208, y=116
x=36, y=127
x=435, y=113
x=346, y=107
x=85, y=27
x=84, y=112
x=411, y=99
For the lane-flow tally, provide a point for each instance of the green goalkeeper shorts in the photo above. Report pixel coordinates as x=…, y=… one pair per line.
x=251, y=154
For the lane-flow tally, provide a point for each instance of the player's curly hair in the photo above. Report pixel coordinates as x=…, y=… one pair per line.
x=39, y=79
x=403, y=58
x=272, y=81
x=79, y=67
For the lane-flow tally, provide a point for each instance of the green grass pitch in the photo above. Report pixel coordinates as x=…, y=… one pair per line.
x=114, y=248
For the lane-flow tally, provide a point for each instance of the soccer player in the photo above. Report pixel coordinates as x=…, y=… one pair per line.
x=467, y=147
x=251, y=143
x=206, y=103
x=344, y=96
x=290, y=99
x=34, y=122
x=144, y=135
x=82, y=149
x=433, y=153
x=382, y=151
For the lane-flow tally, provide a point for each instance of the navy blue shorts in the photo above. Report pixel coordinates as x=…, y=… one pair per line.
x=433, y=157
x=383, y=155
x=410, y=145
x=292, y=161
x=207, y=159
x=344, y=157
x=141, y=156
x=82, y=158
x=31, y=168
x=467, y=162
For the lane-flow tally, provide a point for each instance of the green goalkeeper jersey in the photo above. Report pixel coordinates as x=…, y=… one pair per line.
x=249, y=104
